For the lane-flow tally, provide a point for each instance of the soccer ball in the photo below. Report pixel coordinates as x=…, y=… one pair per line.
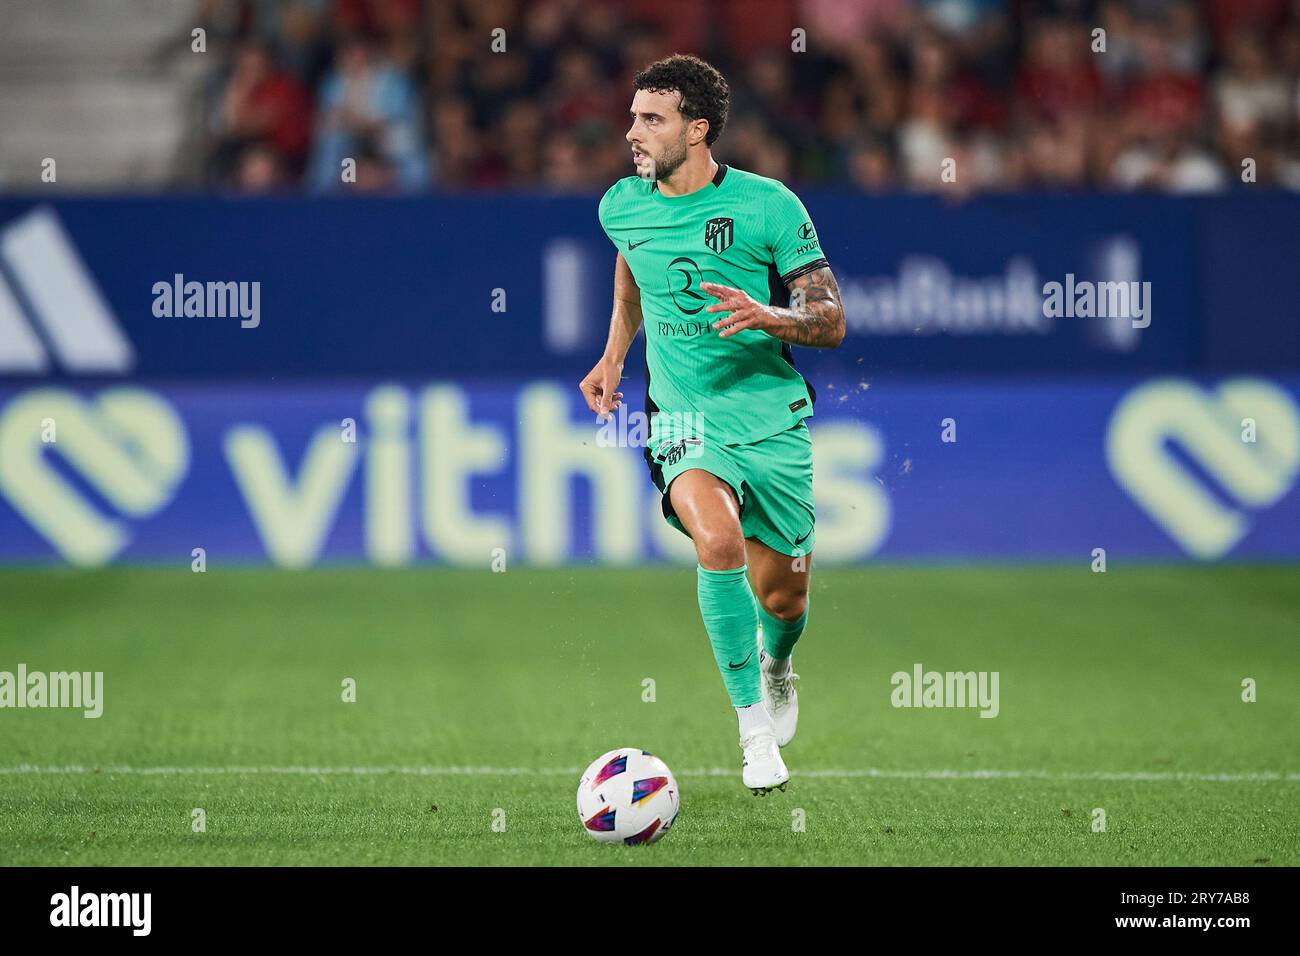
x=627, y=796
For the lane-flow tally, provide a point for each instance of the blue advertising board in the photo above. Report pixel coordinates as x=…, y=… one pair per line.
x=520, y=285
x=519, y=472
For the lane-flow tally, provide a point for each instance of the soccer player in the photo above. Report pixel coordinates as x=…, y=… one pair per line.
x=724, y=270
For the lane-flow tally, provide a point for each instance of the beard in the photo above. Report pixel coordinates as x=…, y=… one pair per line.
x=671, y=160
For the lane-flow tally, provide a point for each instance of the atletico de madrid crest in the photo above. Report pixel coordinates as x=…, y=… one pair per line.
x=718, y=233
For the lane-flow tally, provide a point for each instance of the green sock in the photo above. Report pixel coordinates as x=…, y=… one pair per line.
x=727, y=607
x=779, y=636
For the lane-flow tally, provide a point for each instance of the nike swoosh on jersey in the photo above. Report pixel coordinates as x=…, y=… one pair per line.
x=632, y=245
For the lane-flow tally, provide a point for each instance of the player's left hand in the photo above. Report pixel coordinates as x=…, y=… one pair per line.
x=746, y=312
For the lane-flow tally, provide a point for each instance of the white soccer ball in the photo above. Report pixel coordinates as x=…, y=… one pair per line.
x=627, y=796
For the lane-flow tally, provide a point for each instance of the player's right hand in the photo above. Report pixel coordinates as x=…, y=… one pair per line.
x=598, y=387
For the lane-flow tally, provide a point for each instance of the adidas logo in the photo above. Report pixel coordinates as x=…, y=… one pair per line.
x=50, y=308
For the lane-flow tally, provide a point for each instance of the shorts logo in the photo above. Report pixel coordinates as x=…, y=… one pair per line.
x=670, y=453
x=718, y=234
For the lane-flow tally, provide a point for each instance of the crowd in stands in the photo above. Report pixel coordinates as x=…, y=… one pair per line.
x=875, y=95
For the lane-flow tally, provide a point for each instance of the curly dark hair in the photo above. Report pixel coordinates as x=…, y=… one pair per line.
x=705, y=94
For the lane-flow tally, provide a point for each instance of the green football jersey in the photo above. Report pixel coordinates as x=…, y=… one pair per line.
x=744, y=231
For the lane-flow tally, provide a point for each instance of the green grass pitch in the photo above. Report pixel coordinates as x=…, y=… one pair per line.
x=479, y=692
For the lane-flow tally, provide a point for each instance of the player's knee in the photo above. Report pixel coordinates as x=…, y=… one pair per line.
x=786, y=604
x=719, y=549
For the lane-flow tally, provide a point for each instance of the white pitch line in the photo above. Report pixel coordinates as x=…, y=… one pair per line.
x=1136, y=776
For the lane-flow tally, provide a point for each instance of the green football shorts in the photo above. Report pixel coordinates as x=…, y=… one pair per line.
x=772, y=479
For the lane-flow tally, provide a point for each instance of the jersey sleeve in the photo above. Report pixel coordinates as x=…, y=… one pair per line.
x=791, y=236
x=602, y=212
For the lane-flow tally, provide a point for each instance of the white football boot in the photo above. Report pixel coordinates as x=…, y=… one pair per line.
x=779, y=696
x=763, y=769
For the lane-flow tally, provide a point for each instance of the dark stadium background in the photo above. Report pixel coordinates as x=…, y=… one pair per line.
x=1102, y=509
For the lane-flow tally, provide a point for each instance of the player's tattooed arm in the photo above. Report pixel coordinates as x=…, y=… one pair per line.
x=816, y=315
x=814, y=319
x=598, y=388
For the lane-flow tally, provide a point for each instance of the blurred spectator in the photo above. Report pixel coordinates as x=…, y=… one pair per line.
x=1228, y=17
x=366, y=101
x=456, y=142
x=1248, y=91
x=259, y=170
x=870, y=165
x=1160, y=95
x=260, y=104
x=375, y=17
x=579, y=95
x=837, y=24
x=1165, y=160
x=297, y=29
x=375, y=174
x=564, y=164
x=1053, y=155
x=1059, y=77
x=520, y=141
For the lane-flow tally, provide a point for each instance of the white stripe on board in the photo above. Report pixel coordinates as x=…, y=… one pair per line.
x=20, y=349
